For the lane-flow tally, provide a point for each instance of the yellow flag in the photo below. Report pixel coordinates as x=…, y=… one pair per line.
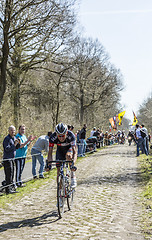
x=120, y=116
x=135, y=120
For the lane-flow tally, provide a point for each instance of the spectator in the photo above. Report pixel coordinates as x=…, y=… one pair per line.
x=10, y=144
x=106, y=138
x=123, y=137
x=145, y=141
x=70, y=127
x=21, y=154
x=130, y=137
x=93, y=131
x=78, y=142
x=92, y=143
x=149, y=137
x=140, y=141
x=97, y=133
x=82, y=136
x=41, y=144
x=118, y=136
x=102, y=138
x=110, y=139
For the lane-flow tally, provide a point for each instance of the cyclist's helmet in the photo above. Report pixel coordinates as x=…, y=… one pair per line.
x=61, y=128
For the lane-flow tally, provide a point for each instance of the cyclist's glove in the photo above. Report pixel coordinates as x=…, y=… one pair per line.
x=48, y=166
x=72, y=167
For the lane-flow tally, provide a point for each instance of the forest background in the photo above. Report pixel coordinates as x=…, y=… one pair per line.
x=50, y=72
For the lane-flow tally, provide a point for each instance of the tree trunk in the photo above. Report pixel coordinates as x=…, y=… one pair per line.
x=58, y=105
x=81, y=106
x=2, y=79
x=15, y=99
x=5, y=51
x=16, y=106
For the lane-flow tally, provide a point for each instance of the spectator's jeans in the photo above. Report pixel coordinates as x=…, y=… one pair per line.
x=102, y=142
x=82, y=147
x=36, y=155
x=145, y=146
x=78, y=148
x=139, y=145
x=94, y=146
x=20, y=163
x=9, y=173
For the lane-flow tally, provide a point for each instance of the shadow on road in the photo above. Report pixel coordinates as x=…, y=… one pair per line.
x=46, y=218
x=129, y=154
x=134, y=178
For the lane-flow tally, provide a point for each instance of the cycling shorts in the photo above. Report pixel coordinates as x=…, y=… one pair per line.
x=61, y=155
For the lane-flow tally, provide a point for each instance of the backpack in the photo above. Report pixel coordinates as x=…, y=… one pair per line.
x=143, y=134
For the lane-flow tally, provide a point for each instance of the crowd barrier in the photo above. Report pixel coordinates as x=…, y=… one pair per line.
x=26, y=179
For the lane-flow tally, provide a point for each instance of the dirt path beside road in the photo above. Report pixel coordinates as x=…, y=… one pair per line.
x=106, y=204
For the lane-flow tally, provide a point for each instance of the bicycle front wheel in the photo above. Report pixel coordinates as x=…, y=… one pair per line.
x=60, y=195
x=70, y=196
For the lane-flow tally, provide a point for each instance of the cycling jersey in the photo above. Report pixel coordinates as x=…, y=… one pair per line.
x=62, y=147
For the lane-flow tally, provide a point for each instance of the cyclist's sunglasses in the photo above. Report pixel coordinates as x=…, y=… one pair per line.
x=61, y=135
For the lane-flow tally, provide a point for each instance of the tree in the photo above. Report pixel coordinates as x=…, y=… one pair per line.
x=145, y=113
x=31, y=31
x=92, y=80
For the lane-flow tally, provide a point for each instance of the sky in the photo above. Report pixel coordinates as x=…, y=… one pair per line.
x=124, y=28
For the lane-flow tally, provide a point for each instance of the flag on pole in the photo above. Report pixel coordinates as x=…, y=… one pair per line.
x=113, y=123
x=120, y=116
x=135, y=120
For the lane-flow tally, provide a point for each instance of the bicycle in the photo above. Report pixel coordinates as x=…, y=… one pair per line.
x=64, y=189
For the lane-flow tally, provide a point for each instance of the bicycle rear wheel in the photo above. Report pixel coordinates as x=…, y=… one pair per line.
x=60, y=195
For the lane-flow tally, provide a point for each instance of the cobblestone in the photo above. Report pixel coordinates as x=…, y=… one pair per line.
x=105, y=203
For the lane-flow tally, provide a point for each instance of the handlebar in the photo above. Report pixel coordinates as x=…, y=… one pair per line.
x=62, y=161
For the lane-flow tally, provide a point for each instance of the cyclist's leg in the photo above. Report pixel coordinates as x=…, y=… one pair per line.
x=69, y=156
x=59, y=156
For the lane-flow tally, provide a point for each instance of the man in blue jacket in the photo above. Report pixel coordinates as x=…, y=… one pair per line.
x=10, y=144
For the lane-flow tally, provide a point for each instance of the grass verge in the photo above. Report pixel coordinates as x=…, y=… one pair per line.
x=146, y=196
x=5, y=200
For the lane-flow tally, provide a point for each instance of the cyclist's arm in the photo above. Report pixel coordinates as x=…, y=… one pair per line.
x=74, y=148
x=50, y=154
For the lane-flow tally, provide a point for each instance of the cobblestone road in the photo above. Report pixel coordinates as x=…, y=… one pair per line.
x=106, y=204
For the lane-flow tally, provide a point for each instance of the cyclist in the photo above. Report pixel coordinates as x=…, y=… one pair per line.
x=66, y=149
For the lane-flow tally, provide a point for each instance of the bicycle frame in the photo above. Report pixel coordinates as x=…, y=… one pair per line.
x=64, y=190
